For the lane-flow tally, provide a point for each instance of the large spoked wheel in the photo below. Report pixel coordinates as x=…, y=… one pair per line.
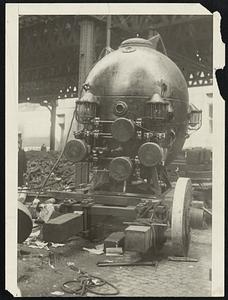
x=180, y=223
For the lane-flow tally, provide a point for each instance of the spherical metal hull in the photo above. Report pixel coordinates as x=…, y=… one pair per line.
x=133, y=74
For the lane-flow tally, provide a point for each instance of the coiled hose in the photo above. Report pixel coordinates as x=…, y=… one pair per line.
x=86, y=284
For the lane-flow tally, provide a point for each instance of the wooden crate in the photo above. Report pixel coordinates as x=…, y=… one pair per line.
x=137, y=238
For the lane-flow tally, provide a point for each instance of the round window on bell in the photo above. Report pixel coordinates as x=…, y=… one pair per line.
x=120, y=108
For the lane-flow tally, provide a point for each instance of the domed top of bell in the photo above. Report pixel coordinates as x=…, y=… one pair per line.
x=136, y=42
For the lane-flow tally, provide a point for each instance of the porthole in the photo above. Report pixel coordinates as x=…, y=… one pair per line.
x=120, y=108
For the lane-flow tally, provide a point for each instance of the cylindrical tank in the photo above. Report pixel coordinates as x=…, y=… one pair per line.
x=132, y=75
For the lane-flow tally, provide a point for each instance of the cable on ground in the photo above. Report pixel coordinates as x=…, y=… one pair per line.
x=59, y=158
x=86, y=283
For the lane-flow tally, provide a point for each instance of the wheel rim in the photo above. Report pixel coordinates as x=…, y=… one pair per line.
x=180, y=224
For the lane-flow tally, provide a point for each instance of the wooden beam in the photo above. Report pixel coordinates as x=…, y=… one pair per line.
x=53, y=124
x=128, y=212
x=86, y=52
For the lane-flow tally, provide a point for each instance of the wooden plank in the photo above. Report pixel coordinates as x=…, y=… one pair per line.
x=116, y=200
x=149, y=196
x=182, y=259
x=66, y=195
x=128, y=212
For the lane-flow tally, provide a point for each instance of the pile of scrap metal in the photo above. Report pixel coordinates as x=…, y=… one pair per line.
x=150, y=221
x=39, y=165
x=147, y=227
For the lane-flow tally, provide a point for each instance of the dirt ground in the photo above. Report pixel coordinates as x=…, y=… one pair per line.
x=37, y=278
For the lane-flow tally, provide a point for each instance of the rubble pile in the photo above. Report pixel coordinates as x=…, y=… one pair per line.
x=39, y=165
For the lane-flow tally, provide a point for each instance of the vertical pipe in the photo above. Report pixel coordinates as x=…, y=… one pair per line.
x=61, y=137
x=53, y=121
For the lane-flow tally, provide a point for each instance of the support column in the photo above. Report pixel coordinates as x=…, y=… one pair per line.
x=86, y=61
x=53, y=121
x=87, y=50
x=61, y=123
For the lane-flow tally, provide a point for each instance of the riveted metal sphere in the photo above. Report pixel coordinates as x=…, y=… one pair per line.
x=127, y=78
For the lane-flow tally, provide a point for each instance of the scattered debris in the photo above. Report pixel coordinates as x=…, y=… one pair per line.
x=46, y=212
x=100, y=247
x=94, y=251
x=55, y=245
x=35, y=202
x=35, y=233
x=182, y=258
x=114, y=251
x=22, y=194
x=127, y=264
x=50, y=201
x=38, y=245
x=57, y=293
x=72, y=266
x=52, y=260
x=39, y=166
